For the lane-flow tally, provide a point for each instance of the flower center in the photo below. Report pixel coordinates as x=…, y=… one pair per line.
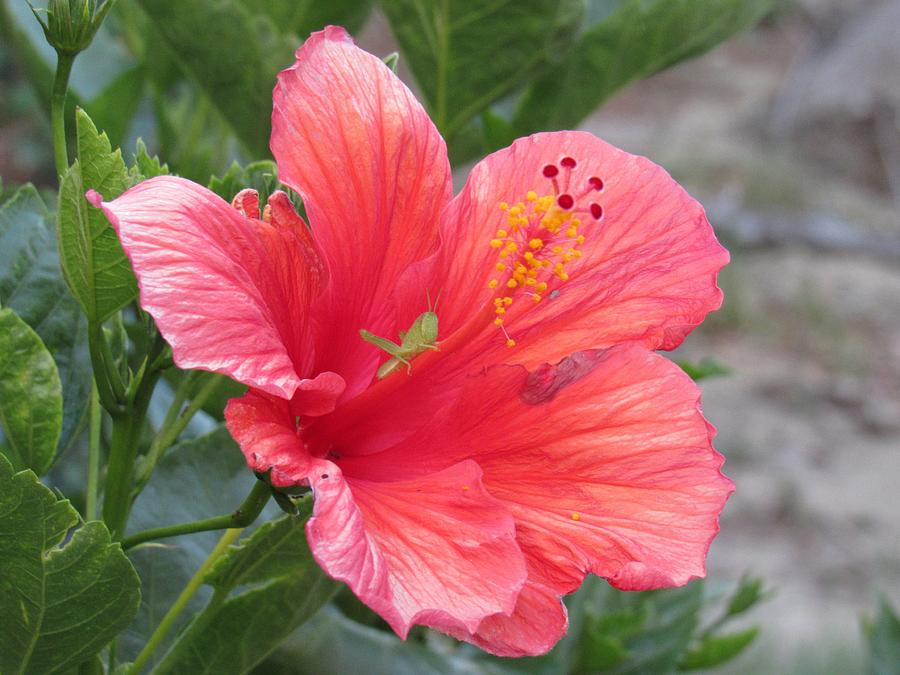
x=541, y=236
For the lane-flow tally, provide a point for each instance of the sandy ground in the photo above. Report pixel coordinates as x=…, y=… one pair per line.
x=810, y=417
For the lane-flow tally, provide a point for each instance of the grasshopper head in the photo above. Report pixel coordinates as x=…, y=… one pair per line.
x=428, y=326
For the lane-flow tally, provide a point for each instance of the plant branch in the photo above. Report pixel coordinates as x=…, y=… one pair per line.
x=93, y=468
x=110, y=387
x=64, y=63
x=243, y=516
x=126, y=433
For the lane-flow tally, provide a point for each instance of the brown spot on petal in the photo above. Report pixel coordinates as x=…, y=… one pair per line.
x=548, y=380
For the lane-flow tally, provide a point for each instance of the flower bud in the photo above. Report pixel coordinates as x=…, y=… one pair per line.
x=71, y=24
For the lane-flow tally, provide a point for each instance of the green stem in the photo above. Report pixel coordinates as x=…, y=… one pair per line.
x=64, y=63
x=126, y=432
x=174, y=424
x=93, y=468
x=110, y=387
x=243, y=516
x=192, y=586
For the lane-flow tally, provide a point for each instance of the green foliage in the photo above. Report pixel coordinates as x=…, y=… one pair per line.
x=261, y=38
x=636, y=40
x=60, y=602
x=883, y=638
x=93, y=262
x=330, y=643
x=277, y=549
x=30, y=396
x=31, y=285
x=214, y=396
x=145, y=166
x=610, y=631
x=198, y=478
x=281, y=587
x=715, y=650
x=466, y=54
x=261, y=176
x=239, y=79
x=654, y=628
x=748, y=594
x=706, y=367
x=302, y=17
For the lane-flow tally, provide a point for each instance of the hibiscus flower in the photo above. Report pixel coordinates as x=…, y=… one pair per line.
x=536, y=438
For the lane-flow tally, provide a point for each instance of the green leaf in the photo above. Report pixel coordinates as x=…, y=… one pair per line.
x=199, y=478
x=62, y=599
x=604, y=643
x=638, y=39
x=466, y=54
x=261, y=176
x=216, y=399
x=883, y=641
x=31, y=285
x=332, y=643
x=93, y=262
x=286, y=588
x=237, y=79
x=655, y=627
x=145, y=166
x=302, y=17
x=602, y=652
x=715, y=650
x=278, y=548
x=748, y=593
x=707, y=367
x=30, y=396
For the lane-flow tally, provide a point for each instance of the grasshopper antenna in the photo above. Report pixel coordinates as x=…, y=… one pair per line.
x=436, y=300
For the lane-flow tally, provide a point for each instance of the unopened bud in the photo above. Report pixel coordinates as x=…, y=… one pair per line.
x=70, y=25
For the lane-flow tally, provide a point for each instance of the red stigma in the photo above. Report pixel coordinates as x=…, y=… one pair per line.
x=596, y=183
x=550, y=171
x=568, y=162
x=596, y=211
x=565, y=201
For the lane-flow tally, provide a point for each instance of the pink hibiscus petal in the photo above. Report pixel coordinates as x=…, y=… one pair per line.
x=229, y=293
x=319, y=395
x=372, y=169
x=538, y=622
x=605, y=460
x=263, y=426
x=436, y=550
x=645, y=271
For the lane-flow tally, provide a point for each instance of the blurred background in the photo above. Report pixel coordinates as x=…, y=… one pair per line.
x=789, y=134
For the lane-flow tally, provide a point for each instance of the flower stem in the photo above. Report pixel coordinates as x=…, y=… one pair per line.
x=243, y=516
x=93, y=467
x=64, y=63
x=192, y=586
x=110, y=388
x=126, y=432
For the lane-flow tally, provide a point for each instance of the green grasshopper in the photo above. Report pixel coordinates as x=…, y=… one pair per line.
x=421, y=335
